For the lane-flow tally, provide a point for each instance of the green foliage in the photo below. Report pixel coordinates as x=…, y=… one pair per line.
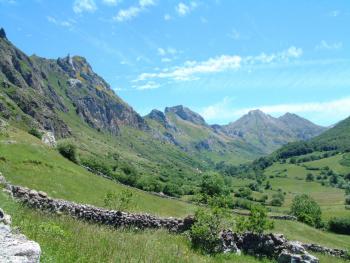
x=310, y=177
x=173, y=189
x=340, y=225
x=307, y=210
x=119, y=201
x=205, y=233
x=212, y=184
x=257, y=222
x=277, y=199
x=36, y=133
x=347, y=200
x=50, y=228
x=244, y=192
x=68, y=150
x=98, y=167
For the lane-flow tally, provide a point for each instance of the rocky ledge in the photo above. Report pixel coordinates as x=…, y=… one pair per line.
x=15, y=247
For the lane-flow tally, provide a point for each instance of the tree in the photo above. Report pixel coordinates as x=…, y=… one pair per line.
x=212, y=184
x=347, y=200
x=205, y=232
x=119, y=201
x=257, y=222
x=307, y=210
x=309, y=177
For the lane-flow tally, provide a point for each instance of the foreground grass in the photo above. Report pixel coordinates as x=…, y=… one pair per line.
x=64, y=239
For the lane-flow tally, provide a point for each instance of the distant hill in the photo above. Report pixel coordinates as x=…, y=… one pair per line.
x=268, y=133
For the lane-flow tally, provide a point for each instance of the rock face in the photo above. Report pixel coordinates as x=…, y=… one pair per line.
x=16, y=247
x=39, y=89
x=40, y=200
x=186, y=114
x=49, y=139
x=268, y=245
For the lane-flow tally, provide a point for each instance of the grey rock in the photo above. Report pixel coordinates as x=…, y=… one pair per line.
x=49, y=139
x=17, y=248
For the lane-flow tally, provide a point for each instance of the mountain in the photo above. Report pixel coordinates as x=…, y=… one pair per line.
x=41, y=88
x=268, y=133
x=188, y=130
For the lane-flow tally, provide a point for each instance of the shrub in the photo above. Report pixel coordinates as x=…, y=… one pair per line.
x=205, y=232
x=310, y=177
x=347, y=200
x=307, y=210
x=212, y=185
x=244, y=192
x=257, y=222
x=119, y=201
x=277, y=199
x=35, y=133
x=68, y=150
x=172, y=190
x=339, y=225
x=97, y=166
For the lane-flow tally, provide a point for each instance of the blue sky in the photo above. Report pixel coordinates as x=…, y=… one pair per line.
x=221, y=58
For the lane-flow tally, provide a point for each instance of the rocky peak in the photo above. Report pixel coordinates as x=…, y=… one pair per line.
x=2, y=33
x=186, y=114
x=158, y=116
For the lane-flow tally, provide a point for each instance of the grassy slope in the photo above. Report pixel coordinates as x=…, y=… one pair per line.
x=291, y=179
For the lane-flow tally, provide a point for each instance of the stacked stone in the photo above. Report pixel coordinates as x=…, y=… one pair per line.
x=269, y=245
x=325, y=250
x=40, y=200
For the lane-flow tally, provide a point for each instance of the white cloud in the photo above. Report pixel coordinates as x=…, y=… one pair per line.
x=167, y=51
x=133, y=11
x=166, y=60
x=335, y=109
x=80, y=6
x=167, y=17
x=190, y=69
x=324, y=45
x=112, y=2
x=149, y=85
x=183, y=9
x=64, y=23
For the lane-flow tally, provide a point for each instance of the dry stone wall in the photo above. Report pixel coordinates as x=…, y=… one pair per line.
x=42, y=201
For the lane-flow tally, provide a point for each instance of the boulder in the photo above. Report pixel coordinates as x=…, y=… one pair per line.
x=49, y=139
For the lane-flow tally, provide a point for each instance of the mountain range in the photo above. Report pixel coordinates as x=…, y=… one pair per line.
x=66, y=97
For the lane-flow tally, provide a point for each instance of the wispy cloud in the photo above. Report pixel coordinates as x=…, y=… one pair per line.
x=64, y=23
x=148, y=86
x=81, y=6
x=324, y=45
x=191, y=69
x=112, y=2
x=334, y=13
x=223, y=110
x=182, y=9
x=133, y=11
x=167, y=17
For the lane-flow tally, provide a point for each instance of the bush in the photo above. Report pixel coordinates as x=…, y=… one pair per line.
x=97, y=166
x=68, y=150
x=172, y=190
x=212, y=185
x=277, y=199
x=257, y=222
x=205, y=232
x=347, y=200
x=35, y=133
x=310, y=177
x=244, y=192
x=339, y=225
x=119, y=201
x=307, y=210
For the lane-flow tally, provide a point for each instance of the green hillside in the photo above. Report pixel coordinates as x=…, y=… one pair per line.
x=28, y=162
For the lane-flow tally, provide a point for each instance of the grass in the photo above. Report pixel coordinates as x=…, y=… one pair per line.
x=64, y=239
x=27, y=162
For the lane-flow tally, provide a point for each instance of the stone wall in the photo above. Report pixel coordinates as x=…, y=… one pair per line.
x=41, y=201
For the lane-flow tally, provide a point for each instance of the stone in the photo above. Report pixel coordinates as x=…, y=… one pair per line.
x=42, y=194
x=49, y=139
x=17, y=248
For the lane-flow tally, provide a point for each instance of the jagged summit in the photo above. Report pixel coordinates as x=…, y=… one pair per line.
x=2, y=33
x=186, y=114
